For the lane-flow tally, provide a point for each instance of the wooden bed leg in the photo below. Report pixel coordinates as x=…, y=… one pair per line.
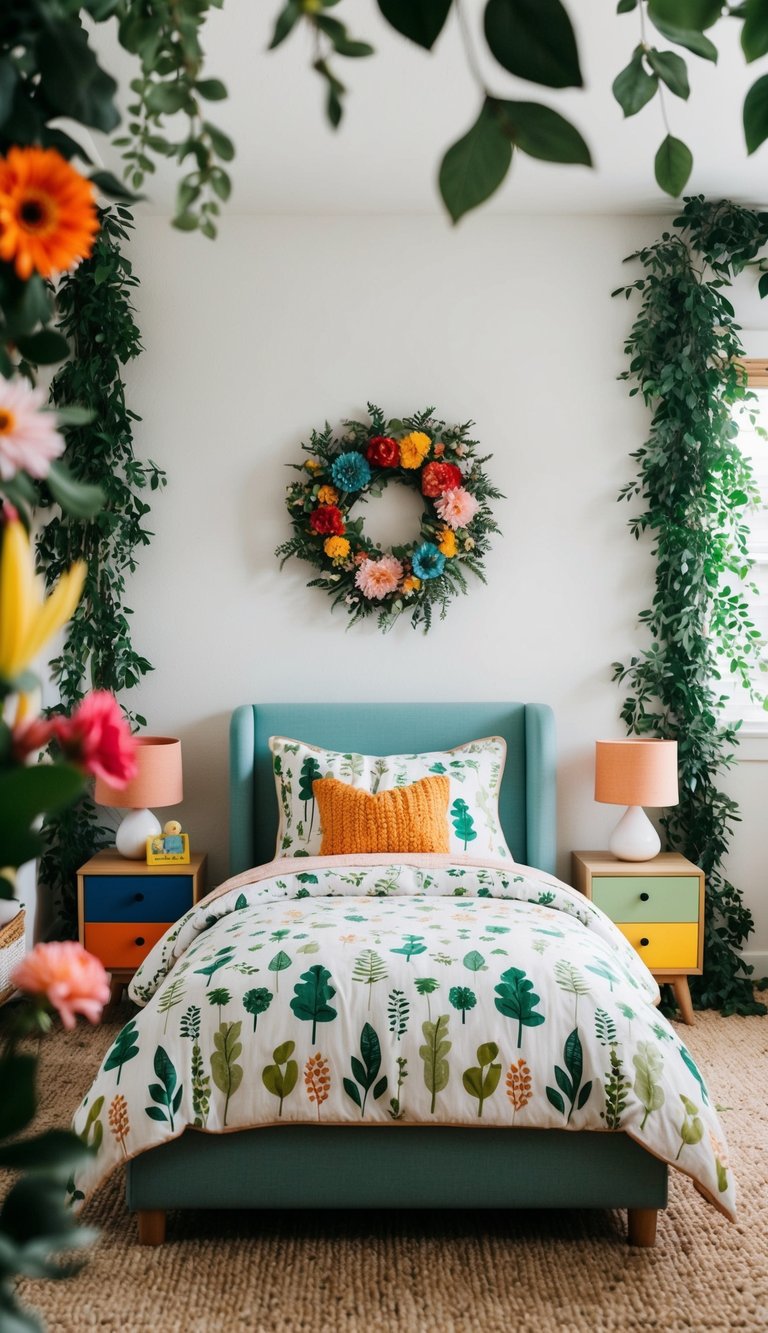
x=151, y=1226
x=641, y=1224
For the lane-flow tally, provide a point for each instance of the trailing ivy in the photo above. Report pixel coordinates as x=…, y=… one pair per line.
x=97, y=317
x=696, y=487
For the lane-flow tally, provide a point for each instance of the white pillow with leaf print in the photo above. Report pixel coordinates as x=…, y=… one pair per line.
x=475, y=770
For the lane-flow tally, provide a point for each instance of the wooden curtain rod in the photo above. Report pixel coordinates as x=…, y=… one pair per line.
x=757, y=371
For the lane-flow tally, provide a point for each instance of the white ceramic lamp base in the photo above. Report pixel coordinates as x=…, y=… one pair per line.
x=634, y=837
x=131, y=836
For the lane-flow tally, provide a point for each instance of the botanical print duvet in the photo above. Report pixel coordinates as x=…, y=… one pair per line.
x=394, y=991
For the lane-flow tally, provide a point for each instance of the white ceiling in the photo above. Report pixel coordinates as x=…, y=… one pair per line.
x=405, y=106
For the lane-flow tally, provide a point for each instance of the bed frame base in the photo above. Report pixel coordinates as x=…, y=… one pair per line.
x=396, y=1167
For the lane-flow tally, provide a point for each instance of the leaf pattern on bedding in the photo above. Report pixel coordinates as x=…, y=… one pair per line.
x=374, y=992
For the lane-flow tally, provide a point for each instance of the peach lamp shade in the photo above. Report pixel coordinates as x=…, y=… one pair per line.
x=636, y=773
x=157, y=782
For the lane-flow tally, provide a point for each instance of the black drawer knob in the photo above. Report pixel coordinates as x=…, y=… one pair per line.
x=139, y=897
x=645, y=941
x=643, y=897
x=140, y=940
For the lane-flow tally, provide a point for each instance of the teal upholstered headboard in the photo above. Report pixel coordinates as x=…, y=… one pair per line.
x=526, y=802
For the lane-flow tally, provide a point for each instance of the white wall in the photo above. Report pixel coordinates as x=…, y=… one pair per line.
x=285, y=321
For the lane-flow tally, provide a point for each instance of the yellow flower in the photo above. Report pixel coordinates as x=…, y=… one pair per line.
x=447, y=542
x=327, y=495
x=414, y=448
x=336, y=547
x=28, y=619
x=411, y=584
x=313, y=465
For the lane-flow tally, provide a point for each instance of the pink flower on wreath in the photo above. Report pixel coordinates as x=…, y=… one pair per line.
x=457, y=507
x=29, y=440
x=96, y=738
x=71, y=980
x=377, y=578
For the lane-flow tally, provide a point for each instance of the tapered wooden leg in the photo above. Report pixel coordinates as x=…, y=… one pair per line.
x=683, y=998
x=642, y=1227
x=151, y=1226
x=115, y=991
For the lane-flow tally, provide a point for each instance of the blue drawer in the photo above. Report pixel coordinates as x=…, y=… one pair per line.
x=137, y=897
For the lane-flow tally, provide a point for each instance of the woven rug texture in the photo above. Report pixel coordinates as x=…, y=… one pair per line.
x=430, y=1272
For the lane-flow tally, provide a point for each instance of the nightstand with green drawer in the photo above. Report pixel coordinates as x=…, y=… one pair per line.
x=124, y=907
x=658, y=905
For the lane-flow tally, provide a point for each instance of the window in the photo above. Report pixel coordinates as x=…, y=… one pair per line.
x=754, y=717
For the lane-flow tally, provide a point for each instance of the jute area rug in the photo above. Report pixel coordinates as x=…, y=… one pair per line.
x=431, y=1272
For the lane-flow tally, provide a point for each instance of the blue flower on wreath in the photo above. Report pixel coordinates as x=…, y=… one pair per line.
x=427, y=562
x=350, y=471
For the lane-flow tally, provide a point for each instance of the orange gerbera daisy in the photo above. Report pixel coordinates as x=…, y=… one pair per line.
x=47, y=212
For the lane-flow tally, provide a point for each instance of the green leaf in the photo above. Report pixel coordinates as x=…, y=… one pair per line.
x=75, y=497
x=534, y=39
x=222, y=145
x=8, y=81
x=433, y=1053
x=634, y=87
x=26, y=793
x=672, y=70
x=421, y=20
x=213, y=90
x=18, y=1103
x=689, y=39
x=754, y=32
x=114, y=188
x=57, y=1150
x=44, y=348
x=72, y=415
x=72, y=80
x=286, y=21
x=554, y=1097
x=475, y=166
x=756, y=114
x=517, y=1000
x=541, y=132
x=673, y=165
x=691, y=15
x=312, y=996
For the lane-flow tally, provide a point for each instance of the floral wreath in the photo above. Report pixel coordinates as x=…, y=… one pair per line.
x=419, y=578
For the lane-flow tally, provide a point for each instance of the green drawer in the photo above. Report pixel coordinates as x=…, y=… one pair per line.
x=670, y=897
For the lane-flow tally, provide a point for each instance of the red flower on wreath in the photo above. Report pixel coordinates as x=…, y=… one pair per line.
x=327, y=521
x=383, y=451
x=439, y=477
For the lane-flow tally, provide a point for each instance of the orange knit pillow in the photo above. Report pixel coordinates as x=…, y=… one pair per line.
x=406, y=819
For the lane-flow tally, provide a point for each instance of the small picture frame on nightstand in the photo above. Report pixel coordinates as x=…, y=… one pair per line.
x=168, y=849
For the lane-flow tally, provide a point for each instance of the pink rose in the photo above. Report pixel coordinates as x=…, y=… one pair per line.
x=71, y=980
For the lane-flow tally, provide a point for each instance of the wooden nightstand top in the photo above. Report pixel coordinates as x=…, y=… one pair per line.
x=109, y=862
x=666, y=863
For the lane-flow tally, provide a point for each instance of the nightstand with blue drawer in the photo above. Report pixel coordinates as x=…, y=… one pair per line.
x=124, y=907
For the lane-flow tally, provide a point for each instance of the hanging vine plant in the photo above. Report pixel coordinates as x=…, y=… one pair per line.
x=97, y=317
x=697, y=488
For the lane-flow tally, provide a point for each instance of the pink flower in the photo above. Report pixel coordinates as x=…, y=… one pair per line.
x=97, y=738
x=377, y=578
x=71, y=980
x=457, y=507
x=29, y=440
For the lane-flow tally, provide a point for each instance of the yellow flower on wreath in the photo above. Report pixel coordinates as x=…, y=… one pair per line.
x=313, y=465
x=337, y=548
x=447, y=542
x=327, y=495
x=411, y=584
x=414, y=448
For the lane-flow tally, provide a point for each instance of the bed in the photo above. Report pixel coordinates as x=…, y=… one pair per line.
x=306, y=1165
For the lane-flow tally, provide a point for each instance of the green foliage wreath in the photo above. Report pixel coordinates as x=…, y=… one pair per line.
x=421, y=452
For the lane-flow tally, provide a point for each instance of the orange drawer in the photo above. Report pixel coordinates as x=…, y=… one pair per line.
x=669, y=944
x=123, y=943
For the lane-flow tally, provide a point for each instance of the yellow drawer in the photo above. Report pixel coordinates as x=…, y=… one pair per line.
x=669, y=944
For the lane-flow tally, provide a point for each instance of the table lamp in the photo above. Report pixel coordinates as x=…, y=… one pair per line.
x=157, y=782
x=636, y=773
